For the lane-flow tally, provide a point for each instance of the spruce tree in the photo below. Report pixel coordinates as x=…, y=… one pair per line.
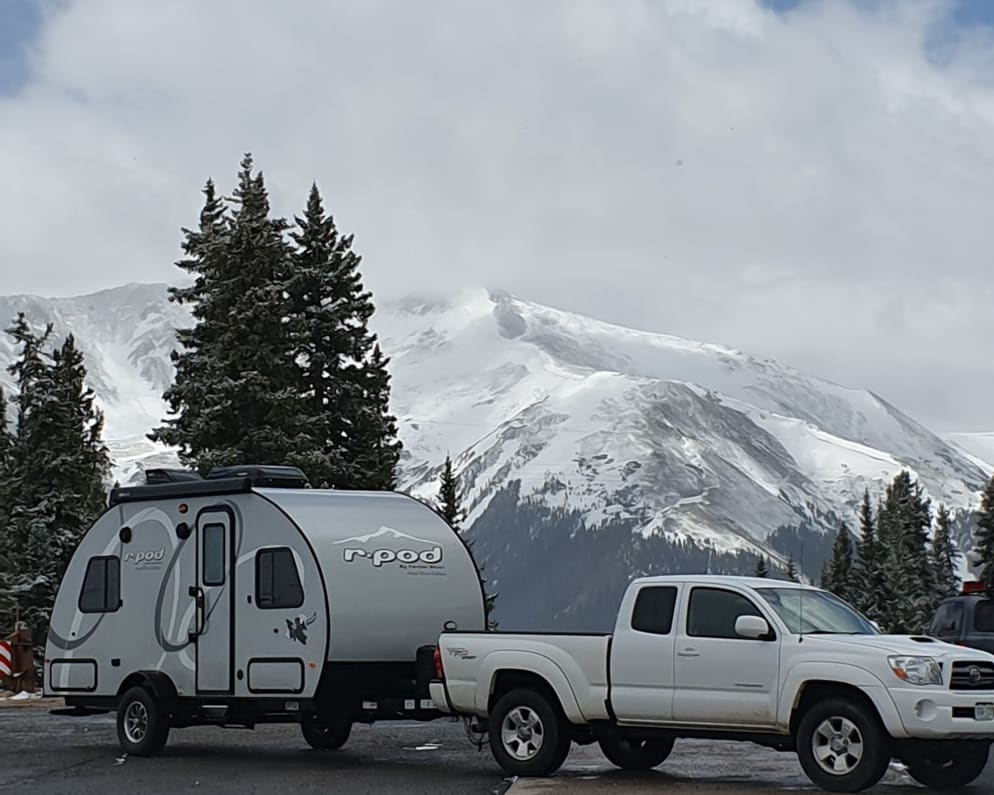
x=342, y=370
x=791, y=572
x=449, y=504
x=236, y=397
x=839, y=573
x=943, y=557
x=868, y=575
x=762, y=569
x=983, y=545
x=375, y=449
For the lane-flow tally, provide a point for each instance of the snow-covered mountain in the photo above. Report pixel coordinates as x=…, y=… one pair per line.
x=681, y=439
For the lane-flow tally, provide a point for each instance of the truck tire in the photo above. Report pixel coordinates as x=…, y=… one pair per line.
x=142, y=723
x=636, y=754
x=326, y=735
x=949, y=765
x=842, y=746
x=528, y=734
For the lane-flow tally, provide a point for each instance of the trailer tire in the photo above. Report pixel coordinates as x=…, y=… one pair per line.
x=842, y=745
x=142, y=723
x=950, y=765
x=633, y=753
x=326, y=735
x=528, y=734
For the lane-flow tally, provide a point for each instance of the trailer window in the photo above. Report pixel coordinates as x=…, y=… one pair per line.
x=101, y=592
x=653, y=610
x=277, y=582
x=213, y=563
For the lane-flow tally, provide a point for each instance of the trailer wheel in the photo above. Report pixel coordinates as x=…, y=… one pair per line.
x=326, y=735
x=948, y=765
x=142, y=723
x=842, y=746
x=636, y=753
x=527, y=734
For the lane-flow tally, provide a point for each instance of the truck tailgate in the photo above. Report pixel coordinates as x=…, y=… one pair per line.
x=575, y=666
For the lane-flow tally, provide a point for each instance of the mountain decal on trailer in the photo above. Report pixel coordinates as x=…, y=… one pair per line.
x=387, y=532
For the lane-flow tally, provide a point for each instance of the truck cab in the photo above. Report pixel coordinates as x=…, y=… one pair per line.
x=966, y=619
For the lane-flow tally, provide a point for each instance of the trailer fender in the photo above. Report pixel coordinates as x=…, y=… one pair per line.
x=158, y=683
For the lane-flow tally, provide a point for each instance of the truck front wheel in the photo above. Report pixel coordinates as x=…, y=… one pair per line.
x=527, y=735
x=636, y=754
x=948, y=765
x=842, y=746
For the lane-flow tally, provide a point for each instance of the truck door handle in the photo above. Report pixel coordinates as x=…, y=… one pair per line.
x=689, y=653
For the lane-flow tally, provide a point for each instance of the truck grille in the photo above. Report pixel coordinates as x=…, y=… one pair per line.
x=972, y=676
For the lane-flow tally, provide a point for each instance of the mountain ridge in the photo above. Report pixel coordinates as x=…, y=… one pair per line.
x=689, y=441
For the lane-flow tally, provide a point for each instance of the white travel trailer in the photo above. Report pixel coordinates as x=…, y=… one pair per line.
x=246, y=598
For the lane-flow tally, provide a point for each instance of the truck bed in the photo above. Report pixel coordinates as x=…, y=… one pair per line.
x=472, y=662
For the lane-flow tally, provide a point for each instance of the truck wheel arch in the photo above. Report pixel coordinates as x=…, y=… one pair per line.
x=156, y=682
x=875, y=699
x=504, y=680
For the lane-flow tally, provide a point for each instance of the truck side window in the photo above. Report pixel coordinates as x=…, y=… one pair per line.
x=713, y=611
x=983, y=616
x=101, y=592
x=277, y=582
x=948, y=620
x=653, y=611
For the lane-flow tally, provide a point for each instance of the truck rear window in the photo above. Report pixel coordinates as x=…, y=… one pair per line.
x=654, y=609
x=983, y=616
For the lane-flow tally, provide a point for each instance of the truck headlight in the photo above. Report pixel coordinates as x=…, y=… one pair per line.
x=916, y=670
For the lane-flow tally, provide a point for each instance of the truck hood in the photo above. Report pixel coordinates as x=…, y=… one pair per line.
x=910, y=645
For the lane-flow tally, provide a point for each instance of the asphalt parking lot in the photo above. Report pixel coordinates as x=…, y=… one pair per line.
x=44, y=753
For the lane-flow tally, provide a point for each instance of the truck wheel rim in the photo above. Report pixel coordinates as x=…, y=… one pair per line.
x=837, y=746
x=136, y=722
x=522, y=733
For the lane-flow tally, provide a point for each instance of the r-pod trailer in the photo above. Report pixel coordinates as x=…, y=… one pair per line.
x=245, y=598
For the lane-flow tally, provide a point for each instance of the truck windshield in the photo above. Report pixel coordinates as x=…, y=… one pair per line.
x=806, y=610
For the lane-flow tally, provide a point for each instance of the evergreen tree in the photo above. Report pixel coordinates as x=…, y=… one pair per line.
x=762, y=569
x=450, y=506
x=236, y=397
x=868, y=569
x=56, y=473
x=983, y=547
x=943, y=557
x=792, y=570
x=375, y=450
x=838, y=576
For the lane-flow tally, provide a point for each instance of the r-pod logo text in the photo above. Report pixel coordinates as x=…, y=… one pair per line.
x=379, y=557
x=146, y=560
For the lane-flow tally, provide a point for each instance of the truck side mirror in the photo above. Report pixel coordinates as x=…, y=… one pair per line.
x=751, y=627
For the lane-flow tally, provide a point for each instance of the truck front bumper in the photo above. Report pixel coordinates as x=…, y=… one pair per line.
x=937, y=713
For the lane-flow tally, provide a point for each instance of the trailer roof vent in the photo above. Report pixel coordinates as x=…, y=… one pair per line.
x=155, y=476
x=263, y=475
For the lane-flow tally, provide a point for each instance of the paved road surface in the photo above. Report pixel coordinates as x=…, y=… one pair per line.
x=49, y=754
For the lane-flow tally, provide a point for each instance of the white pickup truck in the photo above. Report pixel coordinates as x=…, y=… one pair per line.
x=776, y=663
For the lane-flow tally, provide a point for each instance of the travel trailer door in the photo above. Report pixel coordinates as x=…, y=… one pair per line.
x=214, y=600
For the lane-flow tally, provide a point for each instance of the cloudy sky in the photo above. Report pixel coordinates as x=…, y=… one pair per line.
x=804, y=180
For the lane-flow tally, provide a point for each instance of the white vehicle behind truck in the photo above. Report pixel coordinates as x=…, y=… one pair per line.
x=780, y=664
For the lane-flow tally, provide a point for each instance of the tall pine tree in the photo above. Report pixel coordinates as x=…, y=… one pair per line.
x=983, y=548
x=791, y=571
x=236, y=397
x=376, y=449
x=449, y=504
x=839, y=573
x=762, y=568
x=868, y=574
x=943, y=557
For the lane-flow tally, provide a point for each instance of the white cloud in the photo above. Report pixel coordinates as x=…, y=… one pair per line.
x=809, y=186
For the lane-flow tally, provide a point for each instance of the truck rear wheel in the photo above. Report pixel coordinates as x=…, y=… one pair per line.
x=528, y=735
x=949, y=765
x=326, y=735
x=634, y=753
x=842, y=746
x=142, y=723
